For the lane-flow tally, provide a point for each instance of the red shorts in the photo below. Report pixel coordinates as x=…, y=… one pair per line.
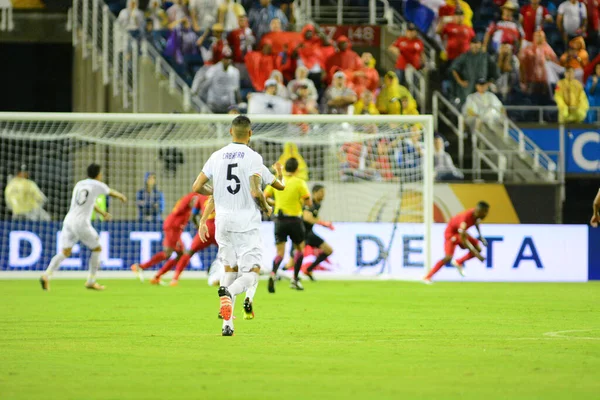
x=454, y=240
x=172, y=239
x=198, y=245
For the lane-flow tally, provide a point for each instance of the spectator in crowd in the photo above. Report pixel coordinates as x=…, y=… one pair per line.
x=260, y=18
x=260, y=65
x=570, y=98
x=408, y=50
x=483, y=108
x=507, y=30
x=154, y=36
x=217, y=43
x=593, y=20
x=366, y=104
x=131, y=18
x=182, y=47
x=302, y=79
x=338, y=96
x=24, y=198
x=312, y=53
x=344, y=59
x=383, y=164
x=365, y=78
x=388, y=100
x=467, y=69
x=282, y=91
x=150, y=201
x=408, y=106
x=290, y=150
x=508, y=67
x=593, y=94
x=534, y=75
x=157, y=15
x=177, y=12
x=275, y=25
x=203, y=13
x=456, y=35
x=221, y=84
x=357, y=161
x=229, y=14
x=442, y=162
x=409, y=154
x=241, y=40
x=270, y=87
x=532, y=18
x=452, y=8
x=303, y=103
x=576, y=57
x=572, y=19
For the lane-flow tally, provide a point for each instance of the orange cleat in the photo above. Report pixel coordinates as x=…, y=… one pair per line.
x=174, y=282
x=94, y=286
x=138, y=271
x=226, y=304
x=156, y=281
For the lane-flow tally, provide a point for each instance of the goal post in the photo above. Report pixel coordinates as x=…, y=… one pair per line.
x=374, y=168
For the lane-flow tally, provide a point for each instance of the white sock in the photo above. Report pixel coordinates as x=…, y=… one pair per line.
x=252, y=291
x=228, y=279
x=94, y=266
x=244, y=282
x=54, y=263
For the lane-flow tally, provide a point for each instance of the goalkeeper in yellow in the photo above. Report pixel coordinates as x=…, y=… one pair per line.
x=289, y=205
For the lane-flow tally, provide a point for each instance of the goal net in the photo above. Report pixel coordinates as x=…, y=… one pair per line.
x=377, y=171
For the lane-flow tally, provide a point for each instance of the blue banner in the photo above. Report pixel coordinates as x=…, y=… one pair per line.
x=31, y=246
x=594, y=254
x=582, y=147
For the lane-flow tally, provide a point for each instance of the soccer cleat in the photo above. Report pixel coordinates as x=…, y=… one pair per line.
x=271, y=286
x=227, y=331
x=157, y=281
x=94, y=286
x=226, y=303
x=174, y=282
x=310, y=275
x=45, y=282
x=427, y=281
x=248, y=311
x=138, y=271
x=459, y=267
x=296, y=284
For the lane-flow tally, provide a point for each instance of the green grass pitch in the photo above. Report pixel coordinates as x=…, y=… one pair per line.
x=336, y=340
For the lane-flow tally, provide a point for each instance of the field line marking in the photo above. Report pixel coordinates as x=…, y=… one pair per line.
x=562, y=334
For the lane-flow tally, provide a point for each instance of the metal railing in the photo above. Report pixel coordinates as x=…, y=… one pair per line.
x=116, y=52
x=6, y=16
x=544, y=111
x=417, y=84
x=339, y=13
x=484, y=151
x=458, y=127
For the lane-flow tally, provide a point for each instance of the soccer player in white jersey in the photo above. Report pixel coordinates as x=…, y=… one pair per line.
x=236, y=172
x=77, y=225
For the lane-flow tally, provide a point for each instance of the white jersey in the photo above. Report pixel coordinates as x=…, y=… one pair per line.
x=230, y=170
x=84, y=197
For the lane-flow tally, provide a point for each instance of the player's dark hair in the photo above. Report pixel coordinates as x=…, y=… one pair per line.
x=291, y=165
x=317, y=187
x=241, y=122
x=93, y=170
x=483, y=205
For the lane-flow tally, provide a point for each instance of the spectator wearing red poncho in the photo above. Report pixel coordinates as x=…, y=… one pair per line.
x=507, y=30
x=532, y=17
x=593, y=20
x=312, y=52
x=260, y=64
x=345, y=59
x=241, y=40
x=408, y=50
x=366, y=78
x=534, y=75
x=456, y=35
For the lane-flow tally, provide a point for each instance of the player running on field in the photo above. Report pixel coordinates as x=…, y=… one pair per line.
x=288, y=221
x=456, y=235
x=236, y=172
x=174, y=225
x=311, y=217
x=217, y=272
x=77, y=226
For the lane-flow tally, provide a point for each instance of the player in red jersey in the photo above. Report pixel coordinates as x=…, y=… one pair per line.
x=188, y=205
x=456, y=235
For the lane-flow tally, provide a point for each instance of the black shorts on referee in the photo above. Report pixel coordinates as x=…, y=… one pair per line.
x=292, y=227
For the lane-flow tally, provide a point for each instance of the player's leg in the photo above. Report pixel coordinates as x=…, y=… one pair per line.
x=216, y=273
x=91, y=239
x=290, y=262
x=197, y=246
x=249, y=301
x=170, y=239
x=281, y=235
x=475, y=243
x=171, y=262
x=228, y=258
x=317, y=242
x=297, y=235
x=449, y=247
x=68, y=239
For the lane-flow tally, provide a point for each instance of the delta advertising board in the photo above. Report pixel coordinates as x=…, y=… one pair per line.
x=516, y=253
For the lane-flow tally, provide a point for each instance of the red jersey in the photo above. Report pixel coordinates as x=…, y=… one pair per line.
x=467, y=216
x=593, y=14
x=533, y=20
x=180, y=214
x=458, y=39
x=410, y=52
x=505, y=32
x=240, y=40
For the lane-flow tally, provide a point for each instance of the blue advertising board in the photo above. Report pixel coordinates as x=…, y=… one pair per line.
x=582, y=147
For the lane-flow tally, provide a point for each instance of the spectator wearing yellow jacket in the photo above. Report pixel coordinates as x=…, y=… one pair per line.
x=388, y=101
x=366, y=104
x=570, y=98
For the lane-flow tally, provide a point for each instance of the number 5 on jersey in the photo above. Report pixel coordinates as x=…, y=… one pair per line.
x=233, y=177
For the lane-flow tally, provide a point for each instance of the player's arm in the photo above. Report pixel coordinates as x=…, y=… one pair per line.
x=309, y=217
x=209, y=208
x=117, y=195
x=481, y=238
x=278, y=183
x=200, y=186
x=596, y=211
x=195, y=215
x=258, y=195
x=104, y=214
x=462, y=230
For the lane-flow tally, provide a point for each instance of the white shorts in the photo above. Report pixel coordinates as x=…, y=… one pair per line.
x=243, y=249
x=79, y=232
